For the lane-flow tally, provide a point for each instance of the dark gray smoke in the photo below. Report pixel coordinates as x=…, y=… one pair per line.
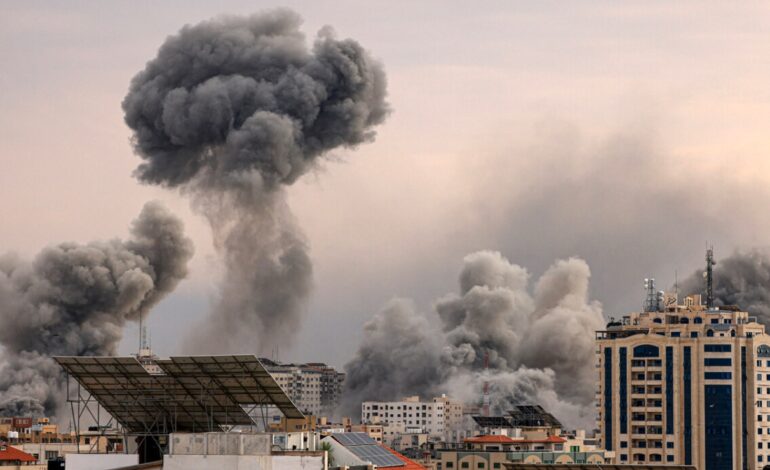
x=231, y=110
x=75, y=300
x=741, y=279
x=540, y=347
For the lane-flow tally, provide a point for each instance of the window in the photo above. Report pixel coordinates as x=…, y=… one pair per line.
x=669, y=458
x=623, y=444
x=759, y=363
x=464, y=465
x=698, y=320
x=480, y=465
x=496, y=465
x=721, y=362
x=646, y=350
x=710, y=333
x=714, y=321
x=623, y=458
x=717, y=348
x=450, y=465
x=675, y=334
x=693, y=334
x=718, y=376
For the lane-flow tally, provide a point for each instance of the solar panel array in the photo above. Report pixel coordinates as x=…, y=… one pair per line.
x=367, y=449
x=355, y=439
x=193, y=394
x=532, y=415
x=492, y=421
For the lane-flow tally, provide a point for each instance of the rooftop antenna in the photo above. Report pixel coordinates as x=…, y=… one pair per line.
x=485, y=399
x=143, y=344
x=651, y=300
x=709, y=275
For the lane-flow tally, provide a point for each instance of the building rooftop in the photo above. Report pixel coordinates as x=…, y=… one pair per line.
x=12, y=454
x=409, y=464
x=496, y=439
x=489, y=440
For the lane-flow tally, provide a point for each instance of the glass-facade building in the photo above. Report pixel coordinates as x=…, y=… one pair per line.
x=685, y=385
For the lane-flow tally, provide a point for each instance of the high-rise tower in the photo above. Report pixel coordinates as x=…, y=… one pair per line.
x=686, y=384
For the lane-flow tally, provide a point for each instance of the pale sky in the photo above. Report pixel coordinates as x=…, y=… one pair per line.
x=626, y=133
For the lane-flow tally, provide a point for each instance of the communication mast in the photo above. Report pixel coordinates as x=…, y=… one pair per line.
x=485, y=399
x=709, y=275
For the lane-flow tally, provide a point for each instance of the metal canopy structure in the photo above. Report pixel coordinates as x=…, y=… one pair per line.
x=243, y=379
x=195, y=394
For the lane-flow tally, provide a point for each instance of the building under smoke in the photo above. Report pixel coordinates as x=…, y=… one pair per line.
x=315, y=387
x=539, y=343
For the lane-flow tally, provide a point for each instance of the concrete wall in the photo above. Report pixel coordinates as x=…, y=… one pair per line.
x=219, y=443
x=242, y=462
x=99, y=461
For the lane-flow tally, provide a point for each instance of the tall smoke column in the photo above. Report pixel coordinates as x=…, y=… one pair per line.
x=75, y=300
x=538, y=348
x=231, y=111
x=741, y=279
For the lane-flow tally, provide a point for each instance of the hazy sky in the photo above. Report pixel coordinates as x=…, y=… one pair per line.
x=626, y=133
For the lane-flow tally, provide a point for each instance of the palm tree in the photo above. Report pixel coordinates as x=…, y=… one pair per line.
x=327, y=446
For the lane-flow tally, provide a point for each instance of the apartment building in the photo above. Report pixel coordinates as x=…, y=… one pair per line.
x=315, y=388
x=440, y=418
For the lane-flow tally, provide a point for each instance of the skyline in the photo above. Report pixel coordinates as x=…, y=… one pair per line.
x=452, y=168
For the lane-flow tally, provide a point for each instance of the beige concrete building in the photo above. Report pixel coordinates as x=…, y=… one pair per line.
x=685, y=385
x=314, y=387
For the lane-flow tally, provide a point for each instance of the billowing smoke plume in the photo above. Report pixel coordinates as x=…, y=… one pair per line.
x=75, y=300
x=232, y=110
x=741, y=279
x=540, y=348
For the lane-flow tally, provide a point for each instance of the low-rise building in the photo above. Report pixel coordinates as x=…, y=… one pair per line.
x=527, y=434
x=355, y=449
x=11, y=458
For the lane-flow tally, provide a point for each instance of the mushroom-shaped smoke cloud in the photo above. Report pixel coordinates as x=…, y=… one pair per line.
x=231, y=110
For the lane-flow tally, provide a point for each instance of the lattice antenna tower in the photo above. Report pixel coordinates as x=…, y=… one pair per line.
x=651, y=299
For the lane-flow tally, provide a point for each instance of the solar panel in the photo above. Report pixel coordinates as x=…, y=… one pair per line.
x=243, y=377
x=354, y=439
x=193, y=394
x=492, y=421
x=376, y=455
x=367, y=449
x=532, y=415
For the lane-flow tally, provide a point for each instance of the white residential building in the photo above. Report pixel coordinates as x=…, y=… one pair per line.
x=439, y=418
